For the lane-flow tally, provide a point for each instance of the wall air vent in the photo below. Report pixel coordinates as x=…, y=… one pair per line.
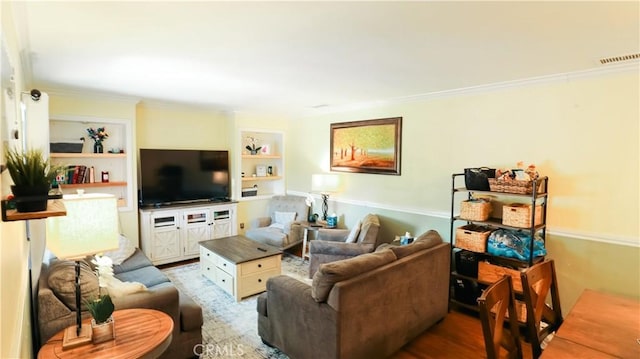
x=611, y=60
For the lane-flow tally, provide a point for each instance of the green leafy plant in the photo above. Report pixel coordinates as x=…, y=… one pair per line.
x=100, y=308
x=253, y=144
x=29, y=168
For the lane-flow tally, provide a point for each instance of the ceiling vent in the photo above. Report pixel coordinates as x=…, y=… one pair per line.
x=611, y=60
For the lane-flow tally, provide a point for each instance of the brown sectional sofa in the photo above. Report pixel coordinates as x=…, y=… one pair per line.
x=56, y=293
x=368, y=306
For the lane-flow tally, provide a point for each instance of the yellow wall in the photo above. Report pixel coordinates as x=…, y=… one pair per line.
x=581, y=132
x=173, y=126
x=15, y=325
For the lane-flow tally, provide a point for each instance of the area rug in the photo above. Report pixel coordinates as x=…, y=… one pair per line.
x=230, y=328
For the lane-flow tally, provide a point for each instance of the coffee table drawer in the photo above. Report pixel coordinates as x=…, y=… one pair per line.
x=259, y=265
x=208, y=269
x=206, y=254
x=227, y=266
x=224, y=280
x=255, y=283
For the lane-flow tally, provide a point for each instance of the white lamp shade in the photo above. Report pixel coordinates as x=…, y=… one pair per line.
x=325, y=183
x=90, y=226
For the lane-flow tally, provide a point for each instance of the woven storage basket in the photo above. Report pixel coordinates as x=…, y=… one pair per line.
x=489, y=273
x=475, y=210
x=512, y=186
x=519, y=215
x=473, y=237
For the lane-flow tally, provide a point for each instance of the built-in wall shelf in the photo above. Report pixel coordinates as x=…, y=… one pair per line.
x=262, y=178
x=93, y=185
x=116, y=163
x=88, y=155
x=269, y=162
x=258, y=157
x=55, y=208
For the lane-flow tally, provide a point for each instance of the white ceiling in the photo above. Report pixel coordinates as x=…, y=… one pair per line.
x=294, y=56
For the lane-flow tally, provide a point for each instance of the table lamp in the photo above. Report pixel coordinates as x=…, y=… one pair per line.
x=325, y=184
x=90, y=227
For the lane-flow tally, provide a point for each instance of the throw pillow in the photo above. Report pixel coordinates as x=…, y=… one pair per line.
x=331, y=273
x=124, y=251
x=353, y=235
x=118, y=288
x=285, y=218
x=62, y=281
x=424, y=241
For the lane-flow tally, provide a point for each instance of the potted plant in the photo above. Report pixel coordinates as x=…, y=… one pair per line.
x=32, y=175
x=101, y=308
x=253, y=147
x=102, y=325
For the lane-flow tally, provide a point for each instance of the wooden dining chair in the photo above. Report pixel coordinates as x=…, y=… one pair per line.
x=538, y=281
x=495, y=303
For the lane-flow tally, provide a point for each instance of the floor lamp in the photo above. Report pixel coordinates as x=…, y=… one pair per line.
x=325, y=184
x=90, y=227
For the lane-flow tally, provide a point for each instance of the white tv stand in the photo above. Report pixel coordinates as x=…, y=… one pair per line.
x=173, y=233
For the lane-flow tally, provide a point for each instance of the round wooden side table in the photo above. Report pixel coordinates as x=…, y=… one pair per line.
x=140, y=333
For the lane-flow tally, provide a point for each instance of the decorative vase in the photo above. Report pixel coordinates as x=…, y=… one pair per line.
x=254, y=152
x=97, y=147
x=31, y=198
x=104, y=331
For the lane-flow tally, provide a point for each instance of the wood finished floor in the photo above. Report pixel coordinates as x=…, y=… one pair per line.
x=458, y=335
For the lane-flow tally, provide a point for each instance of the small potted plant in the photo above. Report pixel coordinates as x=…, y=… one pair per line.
x=102, y=325
x=253, y=147
x=101, y=308
x=32, y=176
x=98, y=136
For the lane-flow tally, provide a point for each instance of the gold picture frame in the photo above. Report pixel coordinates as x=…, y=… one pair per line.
x=369, y=146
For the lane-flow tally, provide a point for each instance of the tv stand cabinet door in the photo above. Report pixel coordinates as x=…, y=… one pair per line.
x=164, y=242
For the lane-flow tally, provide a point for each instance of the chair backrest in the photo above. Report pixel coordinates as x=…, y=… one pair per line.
x=538, y=281
x=289, y=204
x=369, y=230
x=495, y=303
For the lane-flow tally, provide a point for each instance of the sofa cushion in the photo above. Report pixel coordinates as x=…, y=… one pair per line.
x=331, y=273
x=268, y=235
x=124, y=251
x=149, y=276
x=424, y=241
x=136, y=261
x=62, y=281
x=353, y=235
x=284, y=218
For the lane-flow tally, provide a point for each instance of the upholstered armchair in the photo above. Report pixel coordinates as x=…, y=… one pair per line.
x=281, y=228
x=336, y=244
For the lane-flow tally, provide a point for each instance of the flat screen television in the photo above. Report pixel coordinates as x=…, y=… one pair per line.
x=183, y=176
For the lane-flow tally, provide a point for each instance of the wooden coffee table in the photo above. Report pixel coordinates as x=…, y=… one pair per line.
x=140, y=333
x=239, y=265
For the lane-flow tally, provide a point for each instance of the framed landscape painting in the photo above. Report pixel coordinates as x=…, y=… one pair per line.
x=370, y=146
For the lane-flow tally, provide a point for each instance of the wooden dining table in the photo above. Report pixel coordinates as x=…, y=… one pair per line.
x=599, y=325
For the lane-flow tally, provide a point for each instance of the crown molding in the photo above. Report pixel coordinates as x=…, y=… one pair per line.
x=603, y=70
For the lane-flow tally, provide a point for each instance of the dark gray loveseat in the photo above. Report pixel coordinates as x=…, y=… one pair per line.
x=56, y=297
x=367, y=306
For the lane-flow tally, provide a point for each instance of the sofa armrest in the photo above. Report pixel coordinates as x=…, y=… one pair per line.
x=316, y=320
x=53, y=315
x=339, y=248
x=333, y=235
x=163, y=297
